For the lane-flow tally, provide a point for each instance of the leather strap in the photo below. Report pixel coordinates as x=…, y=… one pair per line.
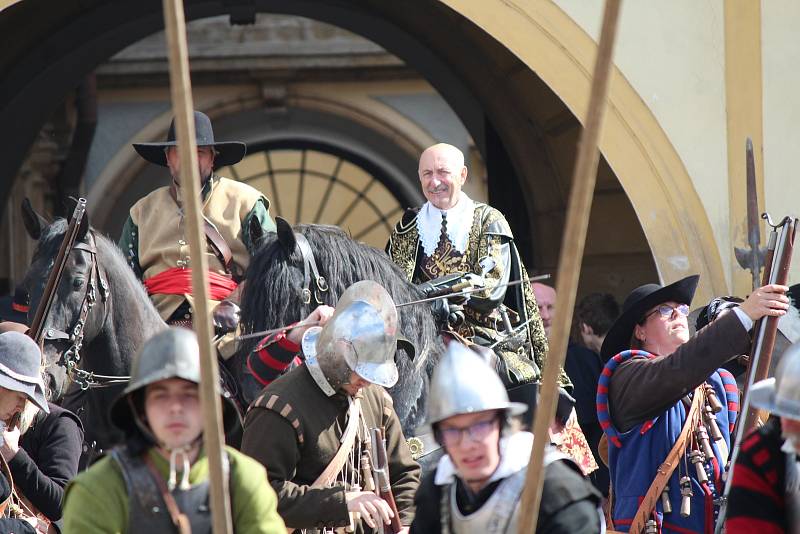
x=179, y=519
x=218, y=244
x=666, y=469
x=310, y=270
x=348, y=440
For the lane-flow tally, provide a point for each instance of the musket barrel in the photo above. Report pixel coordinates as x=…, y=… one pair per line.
x=43, y=309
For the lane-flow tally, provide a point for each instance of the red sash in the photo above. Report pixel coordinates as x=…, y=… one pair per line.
x=177, y=281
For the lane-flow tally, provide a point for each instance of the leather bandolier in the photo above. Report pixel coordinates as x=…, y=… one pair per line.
x=147, y=510
x=163, y=245
x=353, y=470
x=319, y=423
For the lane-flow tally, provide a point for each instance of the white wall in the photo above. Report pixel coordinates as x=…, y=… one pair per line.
x=673, y=54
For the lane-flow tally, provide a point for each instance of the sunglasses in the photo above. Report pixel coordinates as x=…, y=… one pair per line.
x=450, y=437
x=666, y=311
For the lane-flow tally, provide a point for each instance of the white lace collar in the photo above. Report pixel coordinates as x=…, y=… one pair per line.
x=459, y=223
x=515, y=452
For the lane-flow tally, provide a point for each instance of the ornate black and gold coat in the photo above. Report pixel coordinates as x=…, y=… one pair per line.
x=489, y=237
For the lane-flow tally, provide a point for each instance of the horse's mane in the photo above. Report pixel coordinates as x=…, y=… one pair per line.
x=272, y=297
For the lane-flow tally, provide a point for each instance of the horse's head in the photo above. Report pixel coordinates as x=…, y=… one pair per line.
x=297, y=269
x=74, y=317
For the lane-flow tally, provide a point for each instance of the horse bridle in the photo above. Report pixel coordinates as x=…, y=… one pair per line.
x=309, y=270
x=70, y=358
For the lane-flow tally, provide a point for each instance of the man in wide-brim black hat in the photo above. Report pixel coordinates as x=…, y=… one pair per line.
x=654, y=371
x=154, y=237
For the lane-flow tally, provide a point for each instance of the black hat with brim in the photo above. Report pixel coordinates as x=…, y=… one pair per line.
x=228, y=152
x=637, y=303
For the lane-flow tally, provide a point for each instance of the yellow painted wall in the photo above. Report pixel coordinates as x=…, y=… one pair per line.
x=781, y=74
x=673, y=54
x=635, y=143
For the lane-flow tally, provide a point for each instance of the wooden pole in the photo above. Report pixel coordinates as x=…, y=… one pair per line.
x=183, y=109
x=569, y=266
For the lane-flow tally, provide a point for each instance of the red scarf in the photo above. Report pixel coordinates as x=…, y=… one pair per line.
x=177, y=281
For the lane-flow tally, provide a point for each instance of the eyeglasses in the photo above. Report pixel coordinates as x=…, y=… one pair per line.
x=450, y=437
x=666, y=311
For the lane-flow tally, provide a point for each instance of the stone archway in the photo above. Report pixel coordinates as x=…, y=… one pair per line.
x=494, y=64
x=128, y=177
x=551, y=44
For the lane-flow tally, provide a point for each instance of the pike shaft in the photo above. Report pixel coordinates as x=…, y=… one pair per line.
x=264, y=333
x=474, y=290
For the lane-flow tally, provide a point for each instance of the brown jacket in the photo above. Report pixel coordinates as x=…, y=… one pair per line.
x=293, y=429
x=163, y=243
x=642, y=389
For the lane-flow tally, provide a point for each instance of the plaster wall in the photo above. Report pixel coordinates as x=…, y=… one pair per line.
x=781, y=78
x=673, y=54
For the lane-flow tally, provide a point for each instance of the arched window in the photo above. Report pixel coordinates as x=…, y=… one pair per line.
x=312, y=182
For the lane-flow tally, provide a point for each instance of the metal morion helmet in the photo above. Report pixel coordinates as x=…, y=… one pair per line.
x=360, y=337
x=172, y=353
x=464, y=383
x=780, y=395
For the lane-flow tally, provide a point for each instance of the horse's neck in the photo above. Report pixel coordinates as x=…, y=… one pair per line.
x=130, y=319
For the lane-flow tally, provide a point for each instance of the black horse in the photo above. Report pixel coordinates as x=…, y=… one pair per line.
x=295, y=271
x=100, y=311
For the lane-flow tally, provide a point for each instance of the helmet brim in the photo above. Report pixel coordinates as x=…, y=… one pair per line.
x=384, y=374
x=763, y=395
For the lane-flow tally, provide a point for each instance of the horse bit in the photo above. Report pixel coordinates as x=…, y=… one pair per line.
x=70, y=359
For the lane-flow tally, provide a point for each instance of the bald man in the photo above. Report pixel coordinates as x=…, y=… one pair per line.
x=546, y=300
x=452, y=238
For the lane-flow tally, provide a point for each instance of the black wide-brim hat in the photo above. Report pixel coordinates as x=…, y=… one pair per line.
x=228, y=152
x=637, y=303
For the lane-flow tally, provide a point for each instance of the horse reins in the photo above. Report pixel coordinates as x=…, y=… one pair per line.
x=70, y=358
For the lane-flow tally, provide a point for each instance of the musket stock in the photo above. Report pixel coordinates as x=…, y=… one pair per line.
x=383, y=486
x=45, y=303
x=767, y=328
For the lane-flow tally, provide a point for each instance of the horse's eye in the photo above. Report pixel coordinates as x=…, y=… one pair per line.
x=77, y=283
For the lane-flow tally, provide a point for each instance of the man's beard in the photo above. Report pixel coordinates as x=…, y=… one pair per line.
x=203, y=178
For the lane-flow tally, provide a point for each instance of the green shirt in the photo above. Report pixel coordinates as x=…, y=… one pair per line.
x=97, y=500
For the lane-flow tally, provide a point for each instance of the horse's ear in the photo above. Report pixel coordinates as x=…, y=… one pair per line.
x=34, y=223
x=408, y=346
x=285, y=235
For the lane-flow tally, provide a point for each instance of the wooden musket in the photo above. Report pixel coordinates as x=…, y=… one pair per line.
x=383, y=485
x=778, y=260
x=45, y=303
x=776, y=271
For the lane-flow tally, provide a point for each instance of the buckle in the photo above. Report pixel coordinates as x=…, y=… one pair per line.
x=322, y=285
x=416, y=446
